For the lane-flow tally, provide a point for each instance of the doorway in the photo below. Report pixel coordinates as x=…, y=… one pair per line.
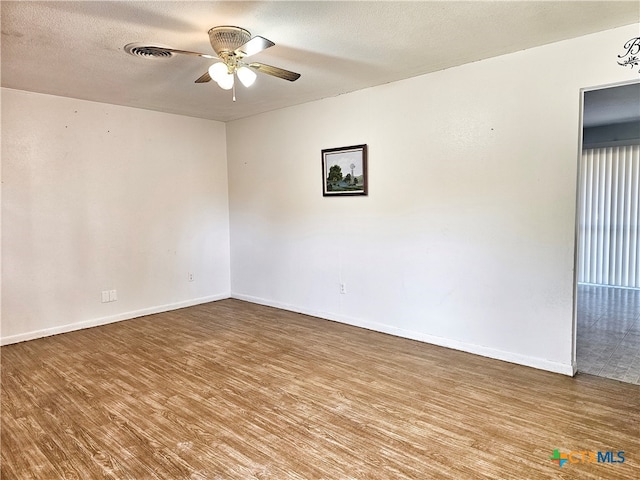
x=608, y=234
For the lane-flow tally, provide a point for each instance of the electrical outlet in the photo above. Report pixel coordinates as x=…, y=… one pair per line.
x=343, y=288
x=105, y=296
x=113, y=295
x=191, y=277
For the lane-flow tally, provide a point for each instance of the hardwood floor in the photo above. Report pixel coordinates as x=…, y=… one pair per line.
x=231, y=390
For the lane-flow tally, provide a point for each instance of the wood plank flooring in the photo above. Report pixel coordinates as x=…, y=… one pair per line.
x=232, y=390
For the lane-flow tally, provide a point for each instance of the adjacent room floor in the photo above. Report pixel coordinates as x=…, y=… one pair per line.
x=608, y=340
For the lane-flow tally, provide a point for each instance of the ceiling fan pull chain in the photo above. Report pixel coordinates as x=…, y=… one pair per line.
x=234, y=91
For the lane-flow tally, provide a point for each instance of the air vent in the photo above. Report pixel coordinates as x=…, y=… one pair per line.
x=148, y=51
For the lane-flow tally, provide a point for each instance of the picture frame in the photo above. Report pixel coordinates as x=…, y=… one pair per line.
x=344, y=171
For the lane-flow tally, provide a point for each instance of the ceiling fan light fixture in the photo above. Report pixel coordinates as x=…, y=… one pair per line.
x=231, y=45
x=225, y=39
x=218, y=70
x=246, y=76
x=225, y=81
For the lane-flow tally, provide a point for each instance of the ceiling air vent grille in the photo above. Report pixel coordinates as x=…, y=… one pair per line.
x=147, y=51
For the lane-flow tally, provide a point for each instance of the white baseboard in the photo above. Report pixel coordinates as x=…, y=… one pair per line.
x=46, y=332
x=542, y=364
x=534, y=362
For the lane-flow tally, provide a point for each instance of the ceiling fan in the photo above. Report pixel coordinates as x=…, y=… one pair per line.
x=231, y=45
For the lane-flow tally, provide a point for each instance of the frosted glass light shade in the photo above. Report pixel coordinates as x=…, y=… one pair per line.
x=246, y=76
x=217, y=71
x=226, y=81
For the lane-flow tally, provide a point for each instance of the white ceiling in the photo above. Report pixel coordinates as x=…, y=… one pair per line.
x=75, y=49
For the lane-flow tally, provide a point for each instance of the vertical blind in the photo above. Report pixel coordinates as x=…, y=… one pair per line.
x=609, y=231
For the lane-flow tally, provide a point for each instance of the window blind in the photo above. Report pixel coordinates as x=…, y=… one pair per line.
x=609, y=233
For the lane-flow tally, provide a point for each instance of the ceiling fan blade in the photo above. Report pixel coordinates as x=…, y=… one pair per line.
x=204, y=78
x=182, y=52
x=253, y=46
x=275, y=71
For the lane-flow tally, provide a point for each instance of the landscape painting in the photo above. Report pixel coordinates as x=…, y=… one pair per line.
x=344, y=171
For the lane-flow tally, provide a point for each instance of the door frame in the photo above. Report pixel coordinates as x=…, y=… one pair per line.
x=574, y=328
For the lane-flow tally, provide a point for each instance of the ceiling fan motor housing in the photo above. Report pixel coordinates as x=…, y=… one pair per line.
x=226, y=39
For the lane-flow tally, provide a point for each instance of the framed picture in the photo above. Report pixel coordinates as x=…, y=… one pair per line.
x=344, y=171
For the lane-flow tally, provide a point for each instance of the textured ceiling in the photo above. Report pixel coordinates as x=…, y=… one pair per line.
x=75, y=49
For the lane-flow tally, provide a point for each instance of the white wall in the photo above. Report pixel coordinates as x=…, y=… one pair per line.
x=467, y=236
x=99, y=197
